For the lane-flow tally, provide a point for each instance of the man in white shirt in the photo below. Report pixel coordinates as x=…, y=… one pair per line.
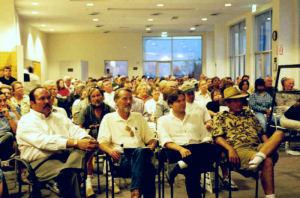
x=52, y=144
x=150, y=105
x=108, y=93
x=203, y=96
x=187, y=142
x=130, y=130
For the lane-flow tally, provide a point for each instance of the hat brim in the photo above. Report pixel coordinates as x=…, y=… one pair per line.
x=189, y=90
x=237, y=96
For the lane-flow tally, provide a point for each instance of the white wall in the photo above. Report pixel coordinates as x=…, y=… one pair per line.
x=94, y=48
x=35, y=46
x=98, y=47
x=8, y=25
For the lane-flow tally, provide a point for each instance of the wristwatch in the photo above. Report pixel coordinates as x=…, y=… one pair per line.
x=75, y=143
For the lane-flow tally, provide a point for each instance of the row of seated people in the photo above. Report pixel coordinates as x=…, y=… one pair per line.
x=94, y=115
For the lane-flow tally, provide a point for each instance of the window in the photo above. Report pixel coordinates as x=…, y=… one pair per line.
x=116, y=68
x=178, y=56
x=237, y=49
x=263, y=45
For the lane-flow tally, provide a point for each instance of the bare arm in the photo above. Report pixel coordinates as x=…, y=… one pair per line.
x=233, y=157
x=152, y=144
x=107, y=149
x=183, y=151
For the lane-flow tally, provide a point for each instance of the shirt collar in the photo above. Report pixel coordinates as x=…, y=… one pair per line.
x=119, y=118
x=40, y=115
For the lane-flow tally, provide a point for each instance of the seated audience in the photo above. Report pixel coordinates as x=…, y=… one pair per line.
x=240, y=133
x=7, y=79
x=51, y=87
x=108, y=93
x=142, y=92
x=215, y=106
x=90, y=119
x=130, y=130
x=244, y=88
x=162, y=107
x=62, y=91
x=203, y=95
x=150, y=105
x=7, y=90
x=260, y=102
x=283, y=99
x=19, y=98
x=46, y=135
x=185, y=136
x=8, y=127
x=268, y=86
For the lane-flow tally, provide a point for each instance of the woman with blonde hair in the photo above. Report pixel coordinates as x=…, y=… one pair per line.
x=142, y=92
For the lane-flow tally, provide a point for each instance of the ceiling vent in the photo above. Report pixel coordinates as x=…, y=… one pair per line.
x=156, y=14
x=197, y=25
x=94, y=13
x=149, y=25
x=98, y=26
x=174, y=17
x=106, y=32
x=215, y=14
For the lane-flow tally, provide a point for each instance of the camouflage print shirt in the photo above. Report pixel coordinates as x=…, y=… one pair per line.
x=239, y=130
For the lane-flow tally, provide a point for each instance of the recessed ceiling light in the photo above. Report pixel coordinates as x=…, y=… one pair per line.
x=254, y=8
x=89, y=4
x=164, y=34
x=34, y=12
x=150, y=20
x=35, y=3
x=95, y=19
x=204, y=19
x=268, y=18
x=160, y=5
x=193, y=28
x=52, y=30
x=43, y=25
x=148, y=29
x=228, y=4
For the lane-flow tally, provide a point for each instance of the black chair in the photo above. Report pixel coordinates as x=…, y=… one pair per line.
x=99, y=155
x=247, y=174
x=115, y=173
x=214, y=168
x=26, y=176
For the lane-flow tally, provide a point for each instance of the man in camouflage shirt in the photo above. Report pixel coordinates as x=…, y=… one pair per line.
x=240, y=133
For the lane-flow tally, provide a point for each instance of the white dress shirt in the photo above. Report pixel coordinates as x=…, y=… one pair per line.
x=113, y=130
x=150, y=106
x=199, y=108
x=203, y=99
x=38, y=136
x=109, y=99
x=182, y=132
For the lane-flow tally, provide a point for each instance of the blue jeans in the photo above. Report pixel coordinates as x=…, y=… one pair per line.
x=263, y=120
x=138, y=163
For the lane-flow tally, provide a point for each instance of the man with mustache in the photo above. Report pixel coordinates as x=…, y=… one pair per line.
x=90, y=119
x=130, y=130
x=50, y=141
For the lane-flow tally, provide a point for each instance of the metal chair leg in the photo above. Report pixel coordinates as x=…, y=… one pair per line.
x=106, y=179
x=256, y=186
x=204, y=185
x=98, y=173
x=229, y=175
x=217, y=179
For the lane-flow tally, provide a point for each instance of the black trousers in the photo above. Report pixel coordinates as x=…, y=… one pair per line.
x=201, y=160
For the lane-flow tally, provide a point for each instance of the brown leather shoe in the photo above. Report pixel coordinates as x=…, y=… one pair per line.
x=135, y=193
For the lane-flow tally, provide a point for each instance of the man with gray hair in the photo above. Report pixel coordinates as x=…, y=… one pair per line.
x=128, y=130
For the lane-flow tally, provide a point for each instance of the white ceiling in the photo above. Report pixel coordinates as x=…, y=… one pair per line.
x=130, y=15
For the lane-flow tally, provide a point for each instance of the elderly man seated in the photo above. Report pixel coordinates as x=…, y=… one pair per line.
x=184, y=135
x=240, y=133
x=52, y=144
x=130, y=130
